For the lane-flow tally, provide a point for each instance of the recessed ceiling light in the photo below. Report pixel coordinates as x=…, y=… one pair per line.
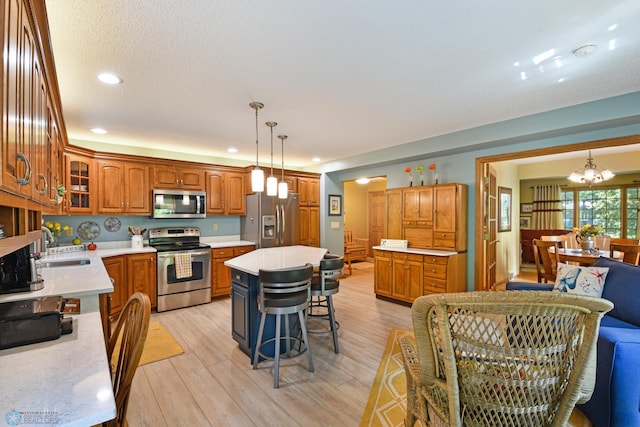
x=316, y=159
x=232, y=150
x=109, y=78
x=362, y=180
x=99, y=131
x=612, y=27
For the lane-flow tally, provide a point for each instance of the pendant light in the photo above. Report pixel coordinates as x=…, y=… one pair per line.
x=590, y=174
x=272, y=181
x=257, y=175
x=283, y=187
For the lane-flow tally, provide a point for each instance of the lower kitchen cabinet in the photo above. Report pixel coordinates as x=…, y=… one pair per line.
x=220, y=273
x=404, y=276
x=131, y=273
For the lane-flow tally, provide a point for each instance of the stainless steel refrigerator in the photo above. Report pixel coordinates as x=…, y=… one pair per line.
x=271, y=221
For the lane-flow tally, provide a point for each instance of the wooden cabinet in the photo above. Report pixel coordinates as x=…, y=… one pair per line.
x=393, y=220
x=405, y=276
x=123, y=187
x=226, y=193
x=310, y=226
x=80, y=184
x=177, y=177
x=383, y=278
x=433, y=216
x=131, y=273
x=309, y=189
x=220, y=273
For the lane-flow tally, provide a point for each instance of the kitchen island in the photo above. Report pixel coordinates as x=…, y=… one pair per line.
x=245, y=317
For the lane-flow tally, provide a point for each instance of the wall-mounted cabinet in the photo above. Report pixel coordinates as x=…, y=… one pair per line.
x=80, y=183
x=133, y=178
x=226, y=193
x=178, y=178
x=309, y=190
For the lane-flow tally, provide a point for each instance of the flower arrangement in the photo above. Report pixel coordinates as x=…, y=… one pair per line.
x=432, y=168
x=419, y=169
x=408, y=170
x=61, y=190
x=588, y=230
x=56, y=228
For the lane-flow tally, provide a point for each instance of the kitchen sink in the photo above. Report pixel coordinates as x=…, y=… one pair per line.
x=65, y=263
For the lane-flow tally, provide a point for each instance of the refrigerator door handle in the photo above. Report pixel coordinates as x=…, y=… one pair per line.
x=278, y=227
x=284, y=226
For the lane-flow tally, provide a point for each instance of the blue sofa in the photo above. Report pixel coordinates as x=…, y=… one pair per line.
x=616, y=398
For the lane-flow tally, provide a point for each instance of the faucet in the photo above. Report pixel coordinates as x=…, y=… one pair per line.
x=47, y=237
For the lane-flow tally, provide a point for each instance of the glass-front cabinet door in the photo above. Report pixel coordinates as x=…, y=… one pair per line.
x=80, y=184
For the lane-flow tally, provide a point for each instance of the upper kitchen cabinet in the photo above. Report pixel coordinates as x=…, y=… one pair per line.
x=309, y=189
x=226, y=193
x=116, y=176
x=176, y=177
x=80, y=183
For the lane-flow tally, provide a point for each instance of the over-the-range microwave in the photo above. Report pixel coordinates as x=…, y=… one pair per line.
x=178, y=204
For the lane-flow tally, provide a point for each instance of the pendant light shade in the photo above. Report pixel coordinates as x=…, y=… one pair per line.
x=272, y=181
x=283, y=187
x=257, y=175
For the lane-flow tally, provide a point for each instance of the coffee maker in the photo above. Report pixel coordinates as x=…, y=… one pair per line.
x=18, y=272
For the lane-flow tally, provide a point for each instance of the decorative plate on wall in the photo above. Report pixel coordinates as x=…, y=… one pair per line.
x=112, y=224
x=88, y=230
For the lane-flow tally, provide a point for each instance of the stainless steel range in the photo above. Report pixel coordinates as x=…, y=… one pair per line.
x=184, y=267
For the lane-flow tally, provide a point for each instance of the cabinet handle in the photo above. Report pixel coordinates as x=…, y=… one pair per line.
x=46, y=185
x=26, y=178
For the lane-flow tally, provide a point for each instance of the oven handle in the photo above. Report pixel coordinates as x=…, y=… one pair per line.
x=172, y=254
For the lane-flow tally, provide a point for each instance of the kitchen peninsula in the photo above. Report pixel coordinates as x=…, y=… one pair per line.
x=66, y=381
x=245, y=317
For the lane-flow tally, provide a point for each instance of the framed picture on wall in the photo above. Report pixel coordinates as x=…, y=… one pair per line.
x=526, y=207
x=504, y=208
x=335, y=205
x=525, y=222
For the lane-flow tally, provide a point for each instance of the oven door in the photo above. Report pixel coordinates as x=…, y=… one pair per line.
x=200, y=278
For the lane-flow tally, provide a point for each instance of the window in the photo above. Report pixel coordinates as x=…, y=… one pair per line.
x=616, y=210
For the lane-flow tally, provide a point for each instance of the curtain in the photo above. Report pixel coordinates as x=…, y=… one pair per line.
x=547, y=208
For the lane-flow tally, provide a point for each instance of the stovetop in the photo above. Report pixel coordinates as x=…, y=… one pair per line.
x=175, y=239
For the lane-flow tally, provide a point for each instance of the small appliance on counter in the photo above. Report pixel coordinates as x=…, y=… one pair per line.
x=32, y=321
x=18, y=272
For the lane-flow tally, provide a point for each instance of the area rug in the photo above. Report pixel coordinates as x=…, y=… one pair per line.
x=159, y=345
x=386, y=405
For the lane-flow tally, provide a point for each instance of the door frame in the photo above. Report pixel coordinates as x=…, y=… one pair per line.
x=479, y=266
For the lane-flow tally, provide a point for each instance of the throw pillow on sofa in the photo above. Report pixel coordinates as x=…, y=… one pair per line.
x=580, y=280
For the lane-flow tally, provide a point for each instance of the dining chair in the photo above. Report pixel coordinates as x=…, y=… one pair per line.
x=125, y=346
x=624, y=241
x=518, y=358
x=546, y=261
x=630, y=253
x=354, y=250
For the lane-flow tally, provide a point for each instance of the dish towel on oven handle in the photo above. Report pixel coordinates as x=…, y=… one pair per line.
x=182, y=262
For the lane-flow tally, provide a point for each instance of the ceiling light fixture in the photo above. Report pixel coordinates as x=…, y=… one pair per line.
x=99, y=131
x=272, y=181
x=584, y=50
x=283, y=187
x=257, y=175
x=362, y=180
x=590, y=174
x=109, y=78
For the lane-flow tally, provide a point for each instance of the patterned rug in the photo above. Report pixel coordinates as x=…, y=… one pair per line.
x=386, y=405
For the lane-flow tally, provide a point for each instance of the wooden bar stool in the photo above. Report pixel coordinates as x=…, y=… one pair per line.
x=282, y=293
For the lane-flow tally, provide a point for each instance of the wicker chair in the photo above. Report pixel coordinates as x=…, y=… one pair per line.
x=520, y=358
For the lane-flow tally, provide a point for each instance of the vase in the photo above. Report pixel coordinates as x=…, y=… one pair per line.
x=586, y=243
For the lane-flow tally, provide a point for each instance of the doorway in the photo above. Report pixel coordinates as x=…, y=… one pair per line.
x=364, y=210
x=482, y=257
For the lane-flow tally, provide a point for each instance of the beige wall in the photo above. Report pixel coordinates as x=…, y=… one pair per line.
x=355, y=205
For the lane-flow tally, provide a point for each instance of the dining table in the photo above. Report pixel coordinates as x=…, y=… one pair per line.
x=582, y=257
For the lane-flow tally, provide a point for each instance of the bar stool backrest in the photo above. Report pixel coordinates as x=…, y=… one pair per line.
x=279, y=283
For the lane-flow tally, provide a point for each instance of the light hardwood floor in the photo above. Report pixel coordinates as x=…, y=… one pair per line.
x=213, y=384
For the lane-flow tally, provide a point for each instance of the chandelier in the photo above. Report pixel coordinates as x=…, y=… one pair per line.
x=590, y=174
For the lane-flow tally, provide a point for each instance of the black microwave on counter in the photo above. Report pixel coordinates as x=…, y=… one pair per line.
x=18, y=272
x=178, y=204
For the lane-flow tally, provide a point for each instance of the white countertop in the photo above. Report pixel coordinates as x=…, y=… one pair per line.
x=66, y=380
x=276, y=258
x=418, y=251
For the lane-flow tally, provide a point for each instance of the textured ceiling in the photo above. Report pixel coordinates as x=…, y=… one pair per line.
x=340, y=77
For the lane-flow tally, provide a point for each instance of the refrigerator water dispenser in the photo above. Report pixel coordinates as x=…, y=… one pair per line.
x=268, y=226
